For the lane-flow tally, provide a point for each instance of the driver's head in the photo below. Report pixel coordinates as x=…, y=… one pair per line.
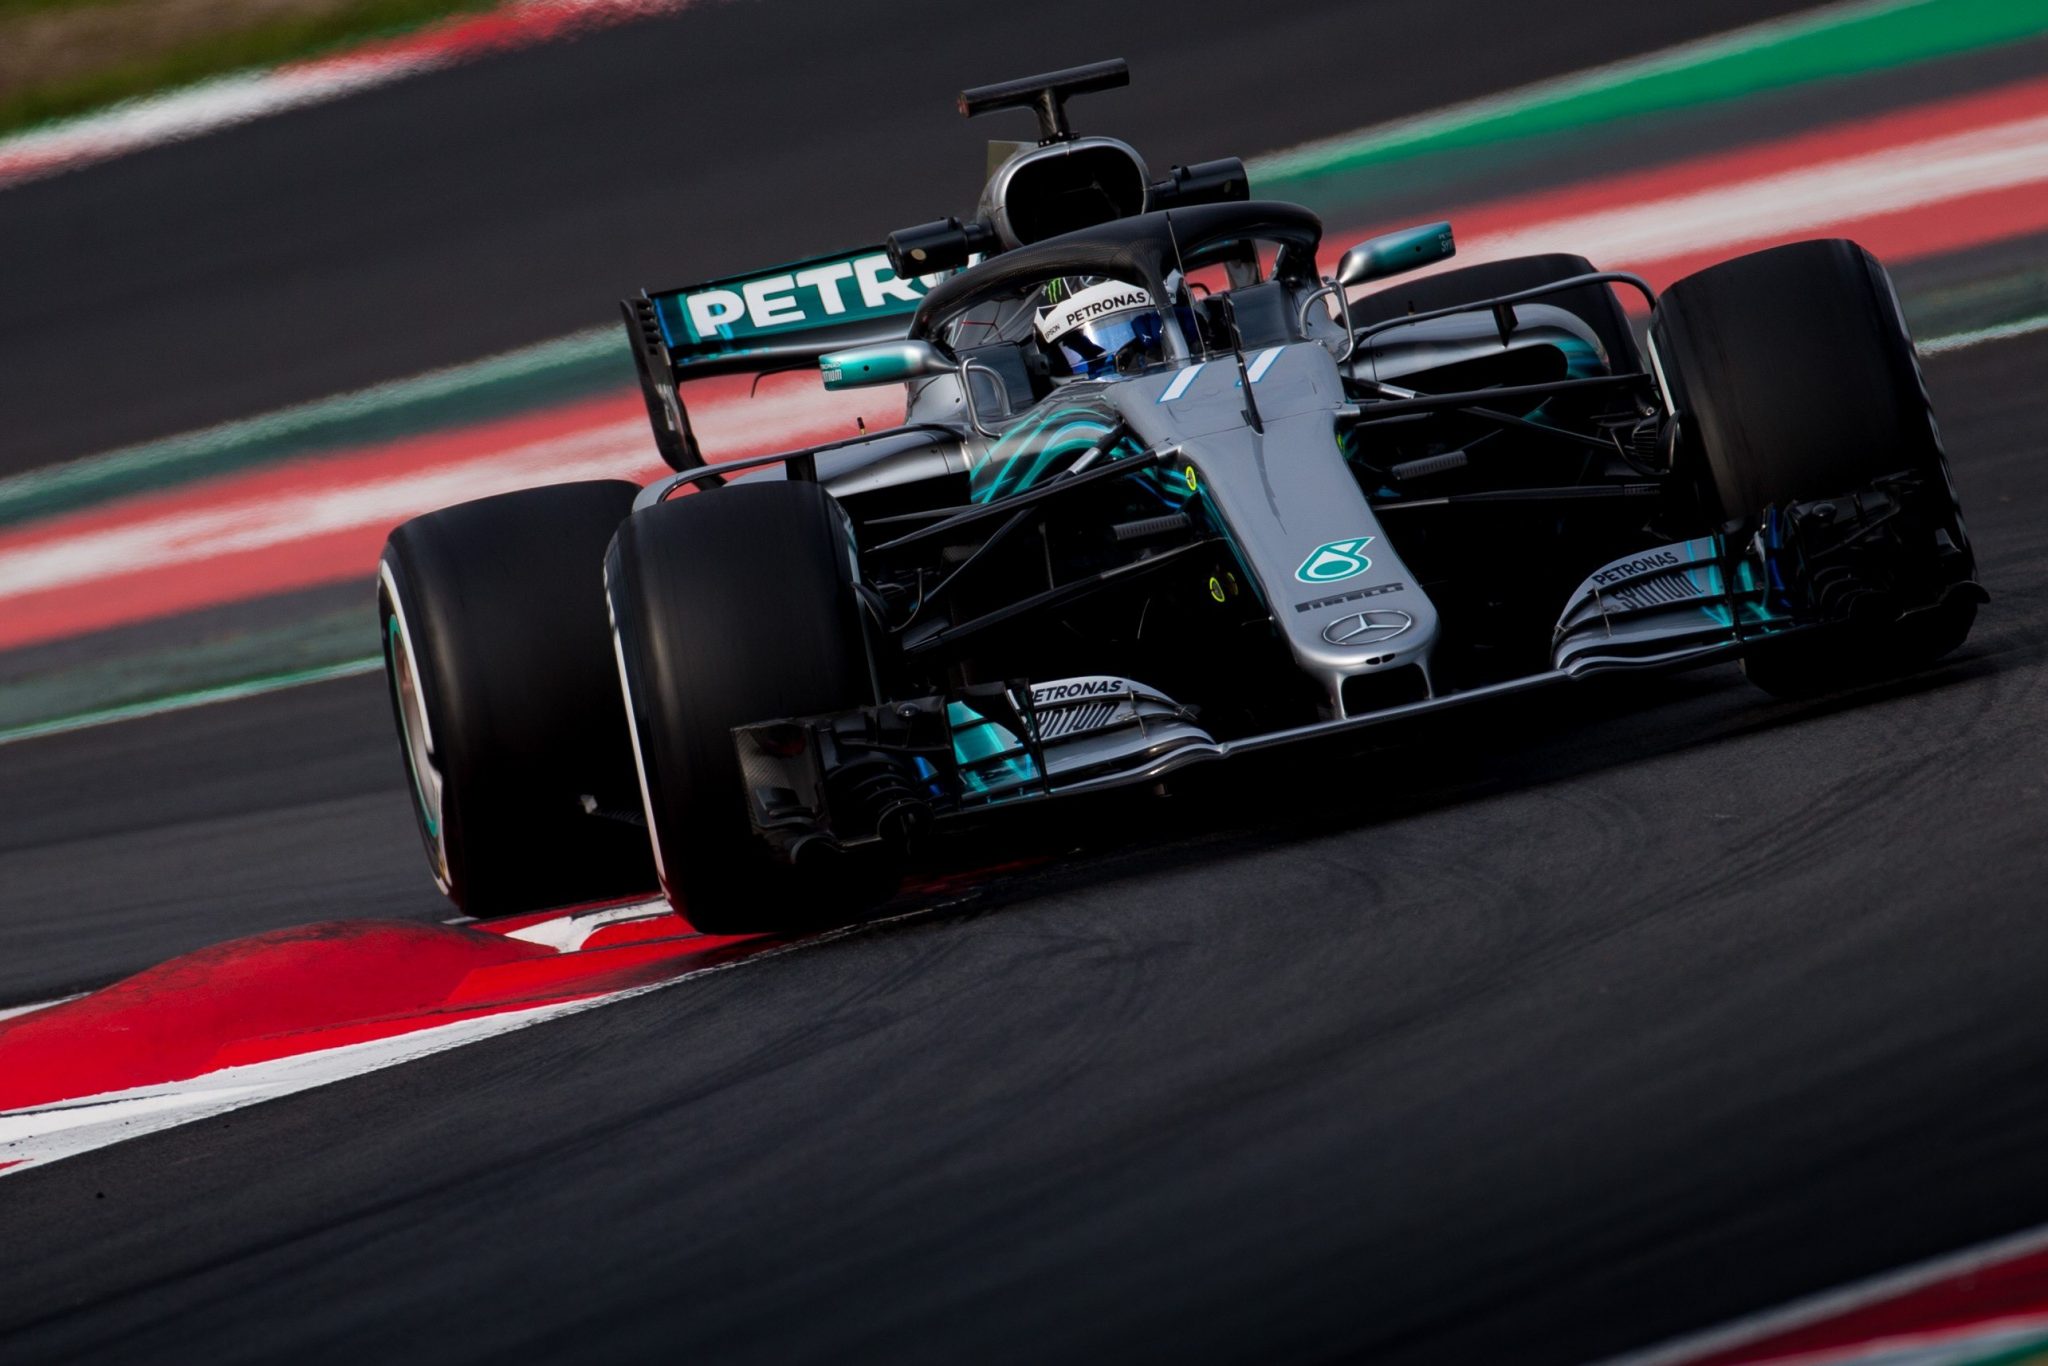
x=1100, y=329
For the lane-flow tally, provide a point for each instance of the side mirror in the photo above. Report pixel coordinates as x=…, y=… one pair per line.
x=893, y=362
x=1394, y=252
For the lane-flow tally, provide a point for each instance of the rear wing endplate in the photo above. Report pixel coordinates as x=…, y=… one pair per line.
x=778, y=319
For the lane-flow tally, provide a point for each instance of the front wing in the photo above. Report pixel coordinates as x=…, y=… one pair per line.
x=887, y=771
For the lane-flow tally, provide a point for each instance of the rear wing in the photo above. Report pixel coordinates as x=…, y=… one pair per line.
x=777, y=319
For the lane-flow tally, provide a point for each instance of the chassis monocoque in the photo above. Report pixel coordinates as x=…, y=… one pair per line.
x=763, y=682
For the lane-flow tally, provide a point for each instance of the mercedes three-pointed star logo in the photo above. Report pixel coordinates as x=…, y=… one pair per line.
x=1367, y=628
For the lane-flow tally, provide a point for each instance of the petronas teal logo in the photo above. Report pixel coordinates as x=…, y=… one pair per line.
x=1334, y=561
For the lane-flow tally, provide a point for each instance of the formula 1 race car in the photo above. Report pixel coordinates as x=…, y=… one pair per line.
x=1163, y=493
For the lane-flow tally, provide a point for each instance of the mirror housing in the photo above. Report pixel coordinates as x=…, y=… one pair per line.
x=1391, y=253
x=892, y=362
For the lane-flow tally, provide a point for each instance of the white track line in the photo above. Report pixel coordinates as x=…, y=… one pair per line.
x=13, y=1012
x=1957, y=341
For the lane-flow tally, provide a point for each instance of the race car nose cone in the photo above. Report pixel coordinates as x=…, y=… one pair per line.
x=1367, y=628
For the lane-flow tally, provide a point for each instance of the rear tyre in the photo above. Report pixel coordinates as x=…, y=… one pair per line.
x=499, y=660
x=730, y=607
x=1595, y=305
x=1794, y=379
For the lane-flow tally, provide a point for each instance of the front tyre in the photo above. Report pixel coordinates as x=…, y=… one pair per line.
x=1794, y=379
x=730, y=607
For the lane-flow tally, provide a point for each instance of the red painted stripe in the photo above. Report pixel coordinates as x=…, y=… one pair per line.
x=320, y=1038
x=169, y=1022
x=300, y=991
x=562, y=976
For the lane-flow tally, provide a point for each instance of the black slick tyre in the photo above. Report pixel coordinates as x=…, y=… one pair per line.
x=1794, y=379
x=730, y=607
x=498, y=656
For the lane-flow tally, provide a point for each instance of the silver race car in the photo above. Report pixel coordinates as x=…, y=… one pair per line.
x=1163, y=493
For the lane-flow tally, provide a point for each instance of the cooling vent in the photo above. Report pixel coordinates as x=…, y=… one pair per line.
x=1052, y=725
x=1660, y=591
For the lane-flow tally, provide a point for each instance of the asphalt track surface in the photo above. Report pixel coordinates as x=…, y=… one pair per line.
x=1529, y=1038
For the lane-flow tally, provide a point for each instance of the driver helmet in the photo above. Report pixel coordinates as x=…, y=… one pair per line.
x=1100, y=329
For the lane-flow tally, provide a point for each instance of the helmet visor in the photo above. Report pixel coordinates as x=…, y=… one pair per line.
x=1124, y=344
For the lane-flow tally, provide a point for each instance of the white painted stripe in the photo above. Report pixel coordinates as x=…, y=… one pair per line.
x=1180, y=383
x=224, y=101
x=1957, y=341
x=1832, y=1303
x=1263, y=362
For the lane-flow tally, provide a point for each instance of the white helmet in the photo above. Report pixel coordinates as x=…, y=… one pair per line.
x=1106, y=329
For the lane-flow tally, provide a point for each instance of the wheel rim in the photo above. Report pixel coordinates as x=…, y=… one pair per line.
x=418, y=740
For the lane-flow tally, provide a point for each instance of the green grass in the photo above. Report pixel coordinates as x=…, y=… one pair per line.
x=8, y=8
x=256, y=45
